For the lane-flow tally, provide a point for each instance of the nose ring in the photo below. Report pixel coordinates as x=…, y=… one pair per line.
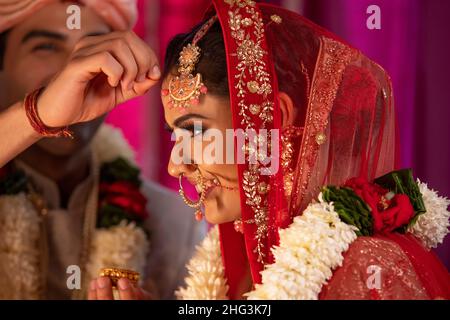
x=193, y=204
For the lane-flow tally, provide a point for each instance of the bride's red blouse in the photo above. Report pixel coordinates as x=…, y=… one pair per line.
x=406, y=271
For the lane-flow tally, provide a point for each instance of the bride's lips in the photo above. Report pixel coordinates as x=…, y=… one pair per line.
x=208, y=189
x=199, y=188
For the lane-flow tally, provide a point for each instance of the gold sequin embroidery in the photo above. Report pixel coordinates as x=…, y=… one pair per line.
x=252, y=78
x=332, y=61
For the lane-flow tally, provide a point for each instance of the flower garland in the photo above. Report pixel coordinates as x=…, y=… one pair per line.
x=432, y=227
x=109, y=144
x=19, y=248
x=310, y=249
x=118, y=240
x=314, y=244
x=124, y=245
x=207, y=275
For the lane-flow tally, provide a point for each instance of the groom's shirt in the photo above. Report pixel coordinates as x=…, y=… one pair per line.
x=174, y=234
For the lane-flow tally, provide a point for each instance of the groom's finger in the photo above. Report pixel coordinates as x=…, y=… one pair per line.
x=144, y=55
x=142, y=87
x=89, y=67
x=104, y=289
x=126, y=291
x=121, y=51
x=92, y=294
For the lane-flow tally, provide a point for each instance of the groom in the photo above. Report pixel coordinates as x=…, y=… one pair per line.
x=80, y=202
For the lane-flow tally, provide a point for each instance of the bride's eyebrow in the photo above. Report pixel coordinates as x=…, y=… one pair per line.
x=189, y=116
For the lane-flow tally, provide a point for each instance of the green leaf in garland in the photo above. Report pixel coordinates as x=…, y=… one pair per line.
x=350, y=208
x=402, y=182
x=120, y=170
x=111, y=215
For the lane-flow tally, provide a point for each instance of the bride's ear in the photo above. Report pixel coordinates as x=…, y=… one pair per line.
x=288, y=112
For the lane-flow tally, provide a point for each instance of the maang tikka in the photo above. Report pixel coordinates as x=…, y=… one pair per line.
x=186, y=89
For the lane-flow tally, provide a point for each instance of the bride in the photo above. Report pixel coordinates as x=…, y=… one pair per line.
x=258, y=66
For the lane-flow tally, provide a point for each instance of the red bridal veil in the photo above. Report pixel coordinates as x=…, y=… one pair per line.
x=345, y=121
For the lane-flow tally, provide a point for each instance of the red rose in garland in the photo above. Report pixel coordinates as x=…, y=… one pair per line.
x=389, y=211
x=372, y=195
x=120, y=197
x=125, y=195
x=398, y=214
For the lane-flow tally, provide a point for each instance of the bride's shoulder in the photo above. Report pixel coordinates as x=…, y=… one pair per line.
x=375, y=267
x=373, y=249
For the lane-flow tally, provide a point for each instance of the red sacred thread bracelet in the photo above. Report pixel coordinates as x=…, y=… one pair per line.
x=37, y=123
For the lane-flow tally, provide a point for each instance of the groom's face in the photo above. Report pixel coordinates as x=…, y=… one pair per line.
x=35, y=51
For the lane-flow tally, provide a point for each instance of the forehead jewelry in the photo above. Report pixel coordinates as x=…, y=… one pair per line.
x=186, y=88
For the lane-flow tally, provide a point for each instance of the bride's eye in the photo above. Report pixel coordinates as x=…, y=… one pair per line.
x=197, y=131
x=194, y=130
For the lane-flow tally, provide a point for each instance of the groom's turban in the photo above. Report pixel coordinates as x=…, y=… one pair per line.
x=118, y=14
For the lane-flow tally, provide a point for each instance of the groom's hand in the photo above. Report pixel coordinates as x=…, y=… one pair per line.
x=102, y=72
x=101, y=289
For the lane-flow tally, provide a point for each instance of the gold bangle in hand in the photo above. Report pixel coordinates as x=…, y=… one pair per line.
x=114, y=274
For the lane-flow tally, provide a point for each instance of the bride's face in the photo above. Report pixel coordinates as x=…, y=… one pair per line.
x=193, y=157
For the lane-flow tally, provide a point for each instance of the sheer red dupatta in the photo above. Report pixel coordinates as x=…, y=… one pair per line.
x=342, y=100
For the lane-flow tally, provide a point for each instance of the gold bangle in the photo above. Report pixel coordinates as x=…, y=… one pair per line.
x=114, y=274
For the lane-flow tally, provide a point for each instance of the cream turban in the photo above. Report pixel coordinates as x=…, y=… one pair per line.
x=119, y=14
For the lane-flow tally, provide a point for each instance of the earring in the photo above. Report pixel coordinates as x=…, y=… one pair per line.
x=193, y=204
x=287, y=154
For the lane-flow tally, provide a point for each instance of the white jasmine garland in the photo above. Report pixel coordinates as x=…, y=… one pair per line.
x=432, y=226
x=122, y=246
x=206, y=279
x=310, y=248
x=109, y=143
x=19, y=248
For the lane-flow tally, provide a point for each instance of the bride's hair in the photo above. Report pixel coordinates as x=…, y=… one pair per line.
x=212, y=64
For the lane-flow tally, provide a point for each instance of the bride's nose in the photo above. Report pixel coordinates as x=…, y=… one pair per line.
x=175, y=169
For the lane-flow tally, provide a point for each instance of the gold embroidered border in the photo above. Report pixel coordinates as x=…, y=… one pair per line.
x=331, y=63
x=253, y=77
